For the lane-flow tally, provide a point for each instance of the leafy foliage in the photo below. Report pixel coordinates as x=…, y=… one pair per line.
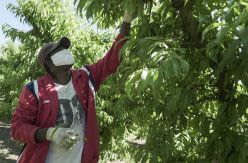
x=180, y=94
x=182, y=80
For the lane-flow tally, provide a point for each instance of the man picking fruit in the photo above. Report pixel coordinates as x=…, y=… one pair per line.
x=56, y=116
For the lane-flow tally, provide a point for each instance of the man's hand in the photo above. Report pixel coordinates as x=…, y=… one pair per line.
x=127, y=19
x=129, y=16
x=64, y=137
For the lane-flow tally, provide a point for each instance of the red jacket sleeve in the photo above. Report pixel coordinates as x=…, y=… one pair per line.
x=108, y=64
x=23, y=121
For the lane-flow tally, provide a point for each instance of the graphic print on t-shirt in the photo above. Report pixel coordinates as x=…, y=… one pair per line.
x=70, y=115
x=68, y=108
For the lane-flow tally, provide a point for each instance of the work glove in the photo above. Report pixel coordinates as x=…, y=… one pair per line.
x=134, y=9
x=63, y=137
x=129, y=16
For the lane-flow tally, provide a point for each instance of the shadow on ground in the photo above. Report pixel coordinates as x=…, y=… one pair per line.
x=9, y=149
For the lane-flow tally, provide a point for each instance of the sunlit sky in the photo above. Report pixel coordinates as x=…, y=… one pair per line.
x=7, y=17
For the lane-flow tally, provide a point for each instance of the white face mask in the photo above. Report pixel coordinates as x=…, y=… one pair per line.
x=63, y=57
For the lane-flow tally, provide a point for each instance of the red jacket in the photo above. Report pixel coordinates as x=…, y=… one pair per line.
x=31, y=115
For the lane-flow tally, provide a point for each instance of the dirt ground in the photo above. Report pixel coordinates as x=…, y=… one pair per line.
x=9, y=149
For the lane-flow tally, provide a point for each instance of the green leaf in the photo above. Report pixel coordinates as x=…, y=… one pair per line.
x=229, y=56
x=146, y=79
x=131, y=6
x=242, y=18
x=222, y=34
x=132, y=81
x=176, y=67
x=184, y=66
x=210, y=27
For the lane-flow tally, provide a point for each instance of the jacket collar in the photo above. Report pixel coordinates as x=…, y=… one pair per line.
x=74, y=74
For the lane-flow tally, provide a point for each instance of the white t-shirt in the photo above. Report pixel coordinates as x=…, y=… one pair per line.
x=70, y=115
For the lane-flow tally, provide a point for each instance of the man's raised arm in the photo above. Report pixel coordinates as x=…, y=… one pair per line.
x=110, y=62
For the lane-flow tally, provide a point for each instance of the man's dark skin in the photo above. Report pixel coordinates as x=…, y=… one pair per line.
x=62, y=75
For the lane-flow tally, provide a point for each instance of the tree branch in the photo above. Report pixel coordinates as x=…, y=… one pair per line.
x=190, y=24
x=138, y=145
